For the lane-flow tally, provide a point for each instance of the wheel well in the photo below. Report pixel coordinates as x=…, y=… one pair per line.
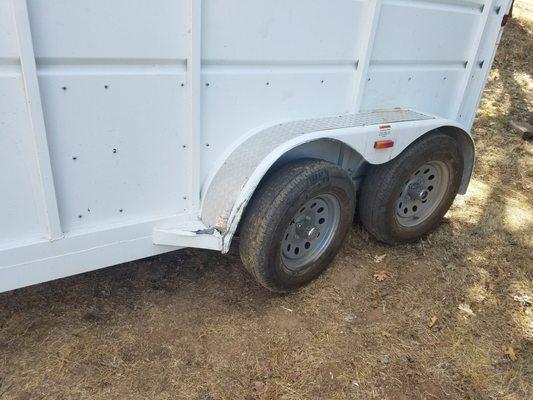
x=330, y=150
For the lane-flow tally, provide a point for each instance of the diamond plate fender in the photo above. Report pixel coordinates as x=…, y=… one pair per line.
x=240, y=170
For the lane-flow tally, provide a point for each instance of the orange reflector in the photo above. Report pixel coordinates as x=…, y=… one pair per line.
x=383, y=144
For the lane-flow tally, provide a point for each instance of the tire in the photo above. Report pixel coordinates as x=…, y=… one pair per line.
x=391, y=203
x=296, y=222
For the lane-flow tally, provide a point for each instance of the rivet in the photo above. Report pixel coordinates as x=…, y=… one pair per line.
x=74, y=158
x=268, y=83
x=106, y=86
x=121, y=210
x=182, y=84
x=80, y=216
x=184, y=146
x=207, y=145
x=64, y=88
x=207, y=84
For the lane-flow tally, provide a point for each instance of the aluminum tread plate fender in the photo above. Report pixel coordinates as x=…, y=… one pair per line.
x=232, y=176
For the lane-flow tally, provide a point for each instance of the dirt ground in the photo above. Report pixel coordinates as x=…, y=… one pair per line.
x=450, y=317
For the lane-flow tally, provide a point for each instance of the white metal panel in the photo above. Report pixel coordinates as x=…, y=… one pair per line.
x=8, y=34
x=435, y=31
x=280, y=31
x=116, y=145
x=103, y=29
x=426, y=89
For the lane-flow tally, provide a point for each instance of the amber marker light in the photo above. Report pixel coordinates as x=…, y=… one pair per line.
x=383, y=144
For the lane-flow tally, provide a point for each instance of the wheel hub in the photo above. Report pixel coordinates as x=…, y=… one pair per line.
x=310, y=231
x=416, y=190
x=306, y=230
x=422, y=193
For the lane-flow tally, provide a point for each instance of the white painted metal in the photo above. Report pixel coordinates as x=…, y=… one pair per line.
x=36, y=118
x=129, y=123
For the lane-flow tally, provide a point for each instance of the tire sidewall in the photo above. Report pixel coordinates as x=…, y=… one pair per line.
x=325, y=181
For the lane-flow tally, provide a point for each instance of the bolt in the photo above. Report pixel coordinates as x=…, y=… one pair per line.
x=313, y=233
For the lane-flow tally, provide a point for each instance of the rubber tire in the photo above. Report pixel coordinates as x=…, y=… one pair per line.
x=272, y=208
x=382, y=185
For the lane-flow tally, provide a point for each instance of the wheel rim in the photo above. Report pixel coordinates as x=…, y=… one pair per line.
x=422, y=193
x=310, y=231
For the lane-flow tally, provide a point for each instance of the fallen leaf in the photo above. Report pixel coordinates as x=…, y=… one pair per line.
x=466, y=309
x=509, y=351
x=380, y=258
x=432, y=321
x=380, y=275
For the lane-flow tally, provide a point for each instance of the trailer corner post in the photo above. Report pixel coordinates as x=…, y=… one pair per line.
x=194, y=78
x=36, y=117
x=472, y=61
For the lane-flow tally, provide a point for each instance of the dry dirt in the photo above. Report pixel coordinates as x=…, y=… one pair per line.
x=451, y=319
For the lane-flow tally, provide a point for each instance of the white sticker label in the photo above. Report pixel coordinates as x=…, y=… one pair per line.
x=384, y=130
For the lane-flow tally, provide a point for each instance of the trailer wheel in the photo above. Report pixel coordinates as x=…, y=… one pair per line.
x=407, y=197
x=296, y=222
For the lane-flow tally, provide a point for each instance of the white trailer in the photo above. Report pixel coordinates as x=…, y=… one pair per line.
x=130, y=128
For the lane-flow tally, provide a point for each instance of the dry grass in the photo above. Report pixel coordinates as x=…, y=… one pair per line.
x=193, y=325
